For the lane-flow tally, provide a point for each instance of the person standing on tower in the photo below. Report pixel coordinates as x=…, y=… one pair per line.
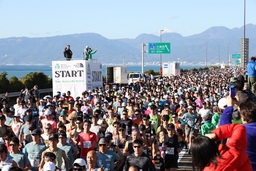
x=68, y=53
x=88, y=52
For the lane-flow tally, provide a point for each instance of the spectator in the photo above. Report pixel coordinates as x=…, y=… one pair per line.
x=206, y=156
x=251, y=69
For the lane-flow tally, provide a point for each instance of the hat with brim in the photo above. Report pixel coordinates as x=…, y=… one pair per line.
x=79, y=162
x=102, y=141
x=36, y=132
x=62, y=135
x=53, y=137
x=49, y=166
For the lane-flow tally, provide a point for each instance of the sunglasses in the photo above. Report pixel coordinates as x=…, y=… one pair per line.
x=102, y=145
x=79, y=169
x=78, y=122
x=136, y=146
x=12, y=145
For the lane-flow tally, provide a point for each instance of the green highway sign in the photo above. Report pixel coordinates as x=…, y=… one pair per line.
x=159, y=48
x=236, y=56
x=238, y=62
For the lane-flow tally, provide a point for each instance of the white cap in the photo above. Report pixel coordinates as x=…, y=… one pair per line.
x=190, y=107
x=47, y=112
x=181, y=102
x=49, y=166
x=205, y=114
x=123, y=104
x=80, y=162
x=222, y=103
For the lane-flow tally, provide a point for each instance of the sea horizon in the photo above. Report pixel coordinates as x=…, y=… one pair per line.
x=21, y=70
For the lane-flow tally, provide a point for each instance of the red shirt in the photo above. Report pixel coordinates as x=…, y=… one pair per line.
x=86, y=142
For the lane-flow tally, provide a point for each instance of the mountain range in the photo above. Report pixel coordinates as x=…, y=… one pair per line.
x=214, y=45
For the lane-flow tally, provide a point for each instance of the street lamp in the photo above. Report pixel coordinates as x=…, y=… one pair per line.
x=161, y=54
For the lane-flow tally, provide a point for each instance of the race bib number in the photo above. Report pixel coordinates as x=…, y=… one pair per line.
x=87, y=144
x=170, y=150
x=34, y=159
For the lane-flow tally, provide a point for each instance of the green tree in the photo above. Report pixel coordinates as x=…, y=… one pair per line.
x=15, y=84
x=151, y=71
x=4, y=83
x=36, y=78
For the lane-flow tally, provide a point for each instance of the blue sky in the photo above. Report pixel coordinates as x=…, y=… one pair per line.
x=118, y=18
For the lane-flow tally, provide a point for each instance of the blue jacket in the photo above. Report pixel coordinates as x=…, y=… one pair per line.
x=251, y=69
x=226, y=118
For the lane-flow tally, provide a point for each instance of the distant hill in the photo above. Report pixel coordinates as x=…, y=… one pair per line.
x=219, y=42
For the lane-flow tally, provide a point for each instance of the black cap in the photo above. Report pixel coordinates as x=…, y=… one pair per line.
x=29, y=118
x=36, y=132
x=170, y=126
x=62, y=134
x=54, y=137
x=50, y=155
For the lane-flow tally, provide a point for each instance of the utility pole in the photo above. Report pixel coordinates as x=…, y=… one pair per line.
x=142, y=57
x=206, y=54
x=161, y=54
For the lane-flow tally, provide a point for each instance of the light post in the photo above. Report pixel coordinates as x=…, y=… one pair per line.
x=142, y=57
x=161, y=54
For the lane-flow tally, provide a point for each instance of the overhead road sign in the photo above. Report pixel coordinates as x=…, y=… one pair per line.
x=159, y=48
x=236, y=56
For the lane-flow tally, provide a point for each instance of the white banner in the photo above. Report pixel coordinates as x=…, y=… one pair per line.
x=76, y=76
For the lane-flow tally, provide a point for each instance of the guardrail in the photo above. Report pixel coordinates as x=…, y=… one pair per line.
x=16, y=94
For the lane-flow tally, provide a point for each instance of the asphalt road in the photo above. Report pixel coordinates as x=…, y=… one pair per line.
x=184, y=162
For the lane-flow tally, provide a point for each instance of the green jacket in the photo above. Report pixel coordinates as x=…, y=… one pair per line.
x=207, y=128
x=91, y=53
x=215, y=119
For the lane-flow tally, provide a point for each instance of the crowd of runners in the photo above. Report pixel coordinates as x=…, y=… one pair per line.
x=115, y=127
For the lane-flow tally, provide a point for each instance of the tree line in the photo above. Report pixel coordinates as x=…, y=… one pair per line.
x=14, y=84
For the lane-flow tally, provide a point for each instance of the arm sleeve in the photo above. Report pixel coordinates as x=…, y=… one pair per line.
x=215, y=119
x=226, y=117
x=93, y=52
x=236, y=133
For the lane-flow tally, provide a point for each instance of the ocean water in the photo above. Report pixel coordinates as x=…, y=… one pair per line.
x=22, y=70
